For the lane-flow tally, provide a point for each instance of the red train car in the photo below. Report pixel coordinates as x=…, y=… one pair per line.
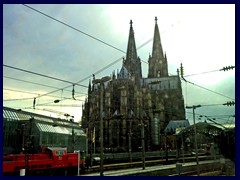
x=51, y=161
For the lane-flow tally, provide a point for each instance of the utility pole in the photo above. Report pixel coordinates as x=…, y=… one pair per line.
x=73, y=135
x=166, y=148
x=101, y=82
x=130, y=145
x=79, y=159
x=143, y=144
x=90, y=153
x=101, y=129
x=195, y=134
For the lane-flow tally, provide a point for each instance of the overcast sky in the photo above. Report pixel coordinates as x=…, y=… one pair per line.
x=201, y=37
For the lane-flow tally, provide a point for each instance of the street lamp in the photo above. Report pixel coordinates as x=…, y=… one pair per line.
x=79, y=159
x=141, y=125
x=73, y=133
x=130, y=145
x=195, y=133
x=143, y=143
x=101, y=81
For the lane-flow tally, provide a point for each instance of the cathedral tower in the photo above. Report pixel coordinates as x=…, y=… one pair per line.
x=132, y=61
x=157, y=62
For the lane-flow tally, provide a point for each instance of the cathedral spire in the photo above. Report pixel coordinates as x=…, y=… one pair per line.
x=157, y=51
x=131, y=49
x=158, y=62
x=132, y=62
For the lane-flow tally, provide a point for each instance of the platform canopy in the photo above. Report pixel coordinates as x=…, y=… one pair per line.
x=58, y=129
x=173, y=125
x=206, y=128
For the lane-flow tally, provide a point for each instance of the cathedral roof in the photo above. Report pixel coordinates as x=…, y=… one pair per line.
x=161, y=83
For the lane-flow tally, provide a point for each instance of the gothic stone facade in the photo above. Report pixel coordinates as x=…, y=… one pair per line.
x=131, y=102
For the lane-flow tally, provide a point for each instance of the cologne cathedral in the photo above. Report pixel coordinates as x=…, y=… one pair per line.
x=132, y=103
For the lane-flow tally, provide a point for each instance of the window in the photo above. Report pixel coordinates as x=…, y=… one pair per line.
x=59, y=152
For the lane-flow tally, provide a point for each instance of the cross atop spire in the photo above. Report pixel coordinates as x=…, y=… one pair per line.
x=131, y=23
x=156, y=19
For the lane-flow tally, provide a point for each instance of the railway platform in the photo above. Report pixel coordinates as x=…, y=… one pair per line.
x=187, y=169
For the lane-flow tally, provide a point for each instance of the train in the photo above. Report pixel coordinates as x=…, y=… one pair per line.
x=50, y=161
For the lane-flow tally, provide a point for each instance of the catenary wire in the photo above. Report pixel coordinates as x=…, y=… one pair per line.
x=208, y=89
x=202, y=73
x=50, y=77
x=30, y=82
x=86, y=78
x=7, y=89
x=86, y=35
x=74, y=28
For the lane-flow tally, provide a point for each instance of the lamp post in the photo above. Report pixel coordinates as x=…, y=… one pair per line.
x=23, y=171
x=78, y=162
x=101, y=81
x=130, y=145
x=195, y=134
x=143, y=144
x=73, y=135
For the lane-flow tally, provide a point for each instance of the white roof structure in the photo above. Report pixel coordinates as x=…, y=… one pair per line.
x=174, y=124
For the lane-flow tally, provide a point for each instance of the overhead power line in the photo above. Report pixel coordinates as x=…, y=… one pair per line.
x=97, y=72
x=83, y=78
x=109, y=65
x=210, y=90
x=86, y=78
x=213, y=120
x=44, y=75
x=86, y=33
x=74, y=28
x=27, y=92
x=227, y=115
x=226, y=68
x=30, y=82
x=202, y=73
x=90, y=37
x=203, y=105
x=21, y=99
x=182, y=73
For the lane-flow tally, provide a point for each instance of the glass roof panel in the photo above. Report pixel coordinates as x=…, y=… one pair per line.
x=10, y=115
x=58, y=129
x=22, y=116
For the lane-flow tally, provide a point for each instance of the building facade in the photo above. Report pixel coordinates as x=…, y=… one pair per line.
x=132, y=102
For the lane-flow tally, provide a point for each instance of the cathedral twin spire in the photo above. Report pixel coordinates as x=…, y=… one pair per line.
x=132, y=62
x=157, y=51
x=131, y=49
x=158, y=66
x=157, y=63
